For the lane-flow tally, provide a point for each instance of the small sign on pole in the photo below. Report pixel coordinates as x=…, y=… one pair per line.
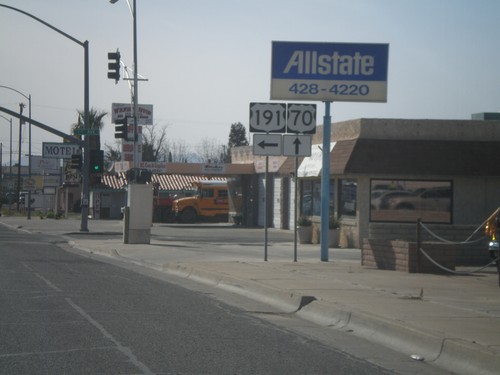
x=29, y=184
x=83, y=131
x=301, y=118
x=297, y=145
x=267, y=117
x=267, y=144
x=122, y=110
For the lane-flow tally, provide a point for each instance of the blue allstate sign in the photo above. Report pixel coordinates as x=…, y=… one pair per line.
x=329, y=71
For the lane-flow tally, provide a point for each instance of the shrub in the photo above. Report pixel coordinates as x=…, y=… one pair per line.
x=304, y=221
x=53, y=215
x=333, y=223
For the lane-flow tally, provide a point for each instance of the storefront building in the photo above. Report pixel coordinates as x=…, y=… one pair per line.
x=387, y=173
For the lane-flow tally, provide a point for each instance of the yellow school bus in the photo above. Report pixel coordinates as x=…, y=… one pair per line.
x=210, y=200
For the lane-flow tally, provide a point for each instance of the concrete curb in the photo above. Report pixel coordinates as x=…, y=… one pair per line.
x=16, y=227
x=286, y=302
x=468, y=358
x=111, y=253
x=449, y=353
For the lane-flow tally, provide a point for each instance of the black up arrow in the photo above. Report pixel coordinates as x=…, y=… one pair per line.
x=263, y=144
x=297, y=144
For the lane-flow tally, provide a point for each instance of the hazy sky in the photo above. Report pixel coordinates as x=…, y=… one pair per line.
x=207, y=60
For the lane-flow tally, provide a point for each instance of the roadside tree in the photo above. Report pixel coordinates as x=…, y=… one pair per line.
x=111, y=154
x=96, y=117
x=237, y=137
x=178, y=151
x=211, y=151
x=153, y=143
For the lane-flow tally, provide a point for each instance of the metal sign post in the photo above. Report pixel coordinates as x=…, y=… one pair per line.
x=295, y=209
x=296, y=145
x=325, y=184
x=266, y=209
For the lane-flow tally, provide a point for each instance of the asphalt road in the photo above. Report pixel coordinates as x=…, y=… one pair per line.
x=65, y=313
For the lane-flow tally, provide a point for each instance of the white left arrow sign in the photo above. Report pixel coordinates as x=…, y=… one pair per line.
x=267, y=144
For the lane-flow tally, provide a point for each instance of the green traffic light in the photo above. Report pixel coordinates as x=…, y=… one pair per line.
x=96, y=161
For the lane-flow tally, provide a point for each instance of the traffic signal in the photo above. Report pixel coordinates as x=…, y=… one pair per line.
x=144, y=176
x=132, y=175
x=76, y=161
x=114, y=65
x=138, y=176
x=121, y=128
x=96, y=161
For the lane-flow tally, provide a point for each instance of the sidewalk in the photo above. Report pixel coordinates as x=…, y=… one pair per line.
x=451, y=321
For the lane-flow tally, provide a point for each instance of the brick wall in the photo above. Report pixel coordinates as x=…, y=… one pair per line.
x=402, y=256
x=472, y=254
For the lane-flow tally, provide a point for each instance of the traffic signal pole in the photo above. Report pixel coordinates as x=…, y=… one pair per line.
x=136, y=87
x=86, y=145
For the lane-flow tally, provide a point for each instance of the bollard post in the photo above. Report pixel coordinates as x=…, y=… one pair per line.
x=126, y=221
x=497, y=237
x=498, y=270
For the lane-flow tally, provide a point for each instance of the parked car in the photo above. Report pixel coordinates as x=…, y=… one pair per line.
x=381, y=199
x=429, y=199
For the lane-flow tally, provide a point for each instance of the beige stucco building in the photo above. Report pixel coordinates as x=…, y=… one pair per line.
x=387, y=173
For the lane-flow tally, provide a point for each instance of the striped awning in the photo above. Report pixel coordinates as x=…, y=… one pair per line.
x=167, y=182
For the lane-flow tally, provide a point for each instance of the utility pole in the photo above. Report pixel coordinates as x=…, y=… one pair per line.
x=21, y=106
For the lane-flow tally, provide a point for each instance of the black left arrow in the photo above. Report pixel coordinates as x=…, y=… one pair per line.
x=297, y=144
x=263, y=144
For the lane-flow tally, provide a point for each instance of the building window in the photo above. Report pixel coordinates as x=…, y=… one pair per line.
x=307, y=201
x=311, y=197
x=409, y=200
x=348, y=192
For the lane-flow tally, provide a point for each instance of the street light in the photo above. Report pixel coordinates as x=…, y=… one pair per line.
x=21, y=106
x=135, y=97
x=10, y=145
x=28, y=97
x=10, y=152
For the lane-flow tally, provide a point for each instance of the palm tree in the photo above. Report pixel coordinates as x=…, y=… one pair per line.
x=95, y=118
x=111, y=154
